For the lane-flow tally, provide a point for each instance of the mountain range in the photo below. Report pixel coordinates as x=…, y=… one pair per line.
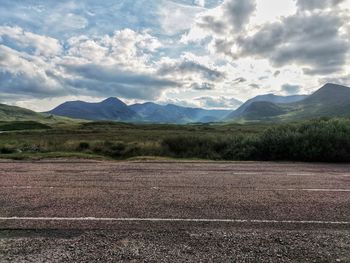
x=330, y=100
x=116, y=110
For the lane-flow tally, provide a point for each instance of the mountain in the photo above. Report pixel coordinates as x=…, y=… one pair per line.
x=329, y=101
x=262, y=110
x=109, y=109
x=116, y=110
x=266, y=98
x=171, y=113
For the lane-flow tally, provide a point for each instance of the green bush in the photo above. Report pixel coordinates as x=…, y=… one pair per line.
x=323, y=140
x=83, y=146
x=192, y=147
x=320, y=140
x=7, y=150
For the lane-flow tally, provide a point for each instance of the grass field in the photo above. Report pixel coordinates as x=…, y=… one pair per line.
x=326, y=140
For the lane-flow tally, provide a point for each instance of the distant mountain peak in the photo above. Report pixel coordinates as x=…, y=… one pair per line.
x=112, y=100
x=332, y=86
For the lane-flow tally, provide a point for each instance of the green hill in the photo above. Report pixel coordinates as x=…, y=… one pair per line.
x=262, y=110
x=329, y=101
x=18, y=114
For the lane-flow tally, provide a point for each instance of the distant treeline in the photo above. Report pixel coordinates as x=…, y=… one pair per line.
x=322, y=140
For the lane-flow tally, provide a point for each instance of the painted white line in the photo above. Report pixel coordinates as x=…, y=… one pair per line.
x=300, y=174
x=305, y=189
x=26, y=187
x=157, y=188
x=198, y=220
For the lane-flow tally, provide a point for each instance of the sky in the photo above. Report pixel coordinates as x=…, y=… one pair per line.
x=200, y=53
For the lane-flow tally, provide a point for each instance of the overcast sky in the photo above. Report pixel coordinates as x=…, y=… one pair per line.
x=207, y=53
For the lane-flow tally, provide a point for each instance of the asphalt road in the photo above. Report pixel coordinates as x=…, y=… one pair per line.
x=86, y=211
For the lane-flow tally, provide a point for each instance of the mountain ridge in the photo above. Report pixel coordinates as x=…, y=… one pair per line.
x=267, y=98
x=114, y=109
x=331, y=100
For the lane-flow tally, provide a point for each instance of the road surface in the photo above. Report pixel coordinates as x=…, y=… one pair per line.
x=89, y=211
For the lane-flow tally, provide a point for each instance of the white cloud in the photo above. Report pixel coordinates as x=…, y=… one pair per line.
x=219, y=102
x=43, y=45
x=200, y=3
x=176, y=18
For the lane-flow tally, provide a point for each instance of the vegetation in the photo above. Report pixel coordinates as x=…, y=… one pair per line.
x=326, y=140
x=108, y=139
x=23, y=125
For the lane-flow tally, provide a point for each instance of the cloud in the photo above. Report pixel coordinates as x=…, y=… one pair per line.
x=317, y=4
x=24, y=74
x=312, y=41
x=219, y=102
x=183, y=49
x=108, y=65
x=276, y=73
x=238, y=12
x=290, y=89
x=114, y=74
x=200, y=3
x=240, y=80
x=42, y=45
x=223, y=22
x=67, y=21
x=190, y=67
x=126, y=48
x=254, y=86
x=175, y=18
x=340, y=79
x=202, y=86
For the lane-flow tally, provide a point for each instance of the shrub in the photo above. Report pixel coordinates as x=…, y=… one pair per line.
x=192, y=147
x=7, y=150
x=112, y=149
x=83, y=146
x=318, y=140
x=324, y=140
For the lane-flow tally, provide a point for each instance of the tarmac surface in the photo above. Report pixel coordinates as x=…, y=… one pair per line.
x=94, y=211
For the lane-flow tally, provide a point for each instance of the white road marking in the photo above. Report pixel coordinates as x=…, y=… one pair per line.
x=302, y=174
x=183, y=220
x=306, y=189
x=157, y=188
x=26, y=187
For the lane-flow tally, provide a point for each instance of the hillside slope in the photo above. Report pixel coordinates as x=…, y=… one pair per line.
x=17, y=114
x=265, y=98
x=329, y=101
